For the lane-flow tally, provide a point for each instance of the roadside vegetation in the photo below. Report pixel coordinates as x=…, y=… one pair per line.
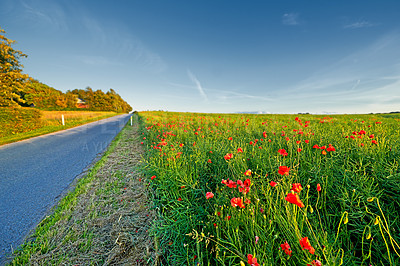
x=22, y=123
x=103, y=220
x=274, y=189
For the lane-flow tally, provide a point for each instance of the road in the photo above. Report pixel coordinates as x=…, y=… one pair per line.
x=34, y=173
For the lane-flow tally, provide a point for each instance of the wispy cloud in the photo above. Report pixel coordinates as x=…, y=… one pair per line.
x=367, y=76
x=291, y=19
x=359, y=24
x=51, y=15
x=198, y=85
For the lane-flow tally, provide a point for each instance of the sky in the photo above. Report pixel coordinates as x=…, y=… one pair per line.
x=216, y=56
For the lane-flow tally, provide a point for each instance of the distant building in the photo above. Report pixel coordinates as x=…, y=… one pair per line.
x=81, y=103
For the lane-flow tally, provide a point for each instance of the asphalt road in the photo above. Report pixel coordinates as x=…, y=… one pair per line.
x=34, y=174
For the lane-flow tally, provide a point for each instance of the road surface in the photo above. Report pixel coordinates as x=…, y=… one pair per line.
x=34, y=173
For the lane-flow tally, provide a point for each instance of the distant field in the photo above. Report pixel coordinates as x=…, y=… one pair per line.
x=51, y=121
x=274, y=189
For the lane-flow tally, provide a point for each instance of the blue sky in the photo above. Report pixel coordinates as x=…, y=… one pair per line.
x=216, y=56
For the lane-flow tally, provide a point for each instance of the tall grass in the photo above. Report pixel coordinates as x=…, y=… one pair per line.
x=49, y=121
x=352, y=220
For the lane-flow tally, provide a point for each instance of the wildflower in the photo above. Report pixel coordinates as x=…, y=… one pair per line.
x=261, y=210
x=273, y=184
x=296, y=187
x=286, y=248
x=239, y=150
x=179, y=199
x=209, y=195
x=316, y=146
x=257, y=238
x=305, y=244
x=315, y=263
x=247, y=173
x=283, y=170
x=318, y=187
x=228, y=156
x=374, y=142
x=231, y=184
x=247, y=201
x=294, y=199
x=153, y=177
x=323, y=152
x=230, y=138
x=235, y=202
x=252, y=260
x=209, y=161
x=282, y=152
x=299, y=150
x=228, y=217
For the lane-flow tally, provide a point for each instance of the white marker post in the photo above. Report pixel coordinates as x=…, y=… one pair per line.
x=131, y=120
x=62, y=120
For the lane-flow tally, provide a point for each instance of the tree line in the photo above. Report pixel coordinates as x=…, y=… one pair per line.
x=19, y=90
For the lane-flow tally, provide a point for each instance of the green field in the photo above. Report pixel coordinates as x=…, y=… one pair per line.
x=274, y=189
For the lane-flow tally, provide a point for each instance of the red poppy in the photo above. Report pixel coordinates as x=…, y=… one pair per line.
x=209, y=195
x=283, y=170
x=237, y=202
x=316, y=146
x=282, y=152
x=296, y=187
x=231, y=184
x=299, y=150
x=244, y=186
x=209, y=161
x=247, y=173
x=230, y=138
x=273, y=184
x=239, y=150
x=374, y=142
x=315, y=263
x=179, y=199
x=318, y=187
x=294, y=199
x=153, y=177
x=228, y=156
x=286, y=248
x=331, y=148
x=252, y=260
x=305, y=244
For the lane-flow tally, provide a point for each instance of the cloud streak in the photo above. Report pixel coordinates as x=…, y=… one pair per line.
x=359, y=25
x=198, y=85
x=290, y=19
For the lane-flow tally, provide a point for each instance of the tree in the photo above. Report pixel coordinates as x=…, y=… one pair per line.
x=11, y=77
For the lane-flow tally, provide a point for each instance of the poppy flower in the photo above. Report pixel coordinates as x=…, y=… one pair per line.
x=252, y=260
x=316, y=146
x=318, y=187
x=153, y=177
x=231, y=184
x=273, y=184
x=305, y=244
x=294, y=199
x=239, y=150
x=179, y=199
x=374, y=142
x=286, y=248
x=283, y=170
x=247, y=173
x=237, y=202
x=296, y=187
x=299, y=150
x=209, y=195
x=257, y=238
x=228, y=156
x=315, y=263
x=282, y=152
x=323, y=152
x=244, y=186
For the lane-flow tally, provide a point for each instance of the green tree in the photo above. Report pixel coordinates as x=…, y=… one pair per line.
x=12, y=80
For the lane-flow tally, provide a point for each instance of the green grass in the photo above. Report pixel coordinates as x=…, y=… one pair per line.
x=44, y=239
x=353, y=220
x=50, y=124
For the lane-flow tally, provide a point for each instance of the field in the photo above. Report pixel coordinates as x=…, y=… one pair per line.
x=274, y=189
x=49, y=121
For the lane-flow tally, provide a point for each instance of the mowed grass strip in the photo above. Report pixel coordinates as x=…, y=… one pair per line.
x=103, y=220
x=52, y=122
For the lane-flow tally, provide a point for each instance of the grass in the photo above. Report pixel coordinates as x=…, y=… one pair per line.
x=51, y=121
x=101, y=219
x=352, y=220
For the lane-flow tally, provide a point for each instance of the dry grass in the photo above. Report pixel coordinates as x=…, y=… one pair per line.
x=71, y=115
x=108, y=223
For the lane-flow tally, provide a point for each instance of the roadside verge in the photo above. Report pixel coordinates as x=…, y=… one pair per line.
x=103, y=220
